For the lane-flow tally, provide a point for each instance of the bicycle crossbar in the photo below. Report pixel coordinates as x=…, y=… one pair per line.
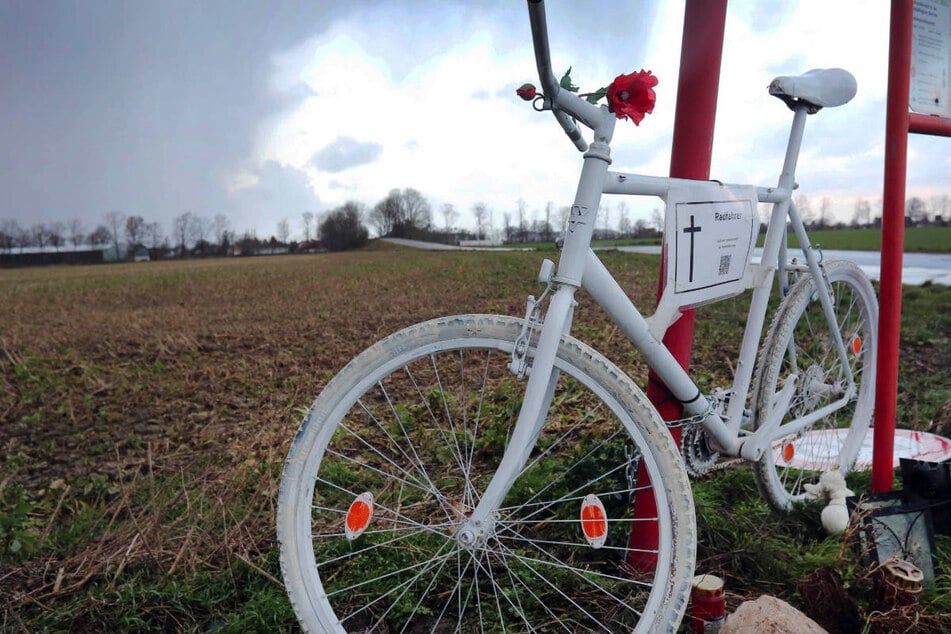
x=640, y=185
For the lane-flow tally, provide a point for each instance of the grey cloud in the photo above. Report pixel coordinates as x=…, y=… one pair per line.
x=344, y=153
x=280, y=192
x=145, y=106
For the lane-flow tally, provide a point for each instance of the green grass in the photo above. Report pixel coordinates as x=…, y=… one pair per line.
x=158, y=400
x=757, y=550
x=917, y=239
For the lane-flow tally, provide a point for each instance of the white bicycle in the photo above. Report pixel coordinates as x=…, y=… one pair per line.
x=482, y=473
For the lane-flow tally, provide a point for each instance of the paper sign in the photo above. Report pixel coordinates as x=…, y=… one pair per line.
x=709, y=236
x=930, y=88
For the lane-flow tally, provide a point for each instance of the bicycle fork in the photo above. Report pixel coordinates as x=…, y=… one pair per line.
x=544, y=375
x=538, y=396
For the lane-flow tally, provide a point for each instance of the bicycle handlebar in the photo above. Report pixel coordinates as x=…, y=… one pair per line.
x=550, y=86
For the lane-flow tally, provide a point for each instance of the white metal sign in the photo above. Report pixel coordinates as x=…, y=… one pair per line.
x=709, y=236
x=930, y=89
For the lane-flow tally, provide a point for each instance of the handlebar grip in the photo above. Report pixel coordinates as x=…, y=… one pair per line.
x=550, y=87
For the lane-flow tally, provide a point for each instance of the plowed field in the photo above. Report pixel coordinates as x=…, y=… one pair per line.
x=145, y=409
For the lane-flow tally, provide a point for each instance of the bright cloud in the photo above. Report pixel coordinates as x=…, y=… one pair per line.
x=450, y=126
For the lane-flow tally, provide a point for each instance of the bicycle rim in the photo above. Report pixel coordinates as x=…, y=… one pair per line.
x=800, y=342
x=394, y=455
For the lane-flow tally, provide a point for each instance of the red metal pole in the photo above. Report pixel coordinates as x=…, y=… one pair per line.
x=929, y=124
x=697, y=88
x=893, y=243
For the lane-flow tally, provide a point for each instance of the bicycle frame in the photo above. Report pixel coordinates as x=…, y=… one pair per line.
x=579, y=267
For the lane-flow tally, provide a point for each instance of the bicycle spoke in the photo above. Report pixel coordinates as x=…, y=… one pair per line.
x=419, y=441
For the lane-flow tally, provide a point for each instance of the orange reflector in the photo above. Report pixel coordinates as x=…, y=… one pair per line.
x=856, y=345
x=594, y=521
x=359, y=515
x=788, y=452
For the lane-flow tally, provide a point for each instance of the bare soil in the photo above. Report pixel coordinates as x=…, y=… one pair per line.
x=150, y=405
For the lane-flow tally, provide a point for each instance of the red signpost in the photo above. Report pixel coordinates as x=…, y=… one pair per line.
x=704, y=23
x=697, y=88
x=898, y=123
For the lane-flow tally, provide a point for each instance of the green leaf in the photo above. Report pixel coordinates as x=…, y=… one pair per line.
x=566, y=81
x=597, y=95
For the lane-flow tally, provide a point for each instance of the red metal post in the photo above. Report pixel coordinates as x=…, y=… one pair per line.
x=929, y=124
x=898, y=123
x=893, y=243
x=697, y=88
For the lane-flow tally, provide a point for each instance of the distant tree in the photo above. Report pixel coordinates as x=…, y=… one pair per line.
x=75, y=231
x=56, y=234
x=657, y=220
x=481, y=212
x=604, y=215
x=248, y=243
x=307, y=220
x=202, y=230
x=401, y=213
x=342, y=228
x=549, y=232
x=563, y=212
x=9, y=234
x=825, y=213
x=862, y=213
x=23, y=238
x=114, y=222
x=916, y=212
x=100, y=236
x=183, y=231
x=642, y=228
x=219, y=229
x=624, y=220
x=449, y=215
x=154, y=234
x=940, y=208
x=283, y=231
x=417, y=213
x=520, y=214
x=39, y=235
x=385, y=215
x=135, y=229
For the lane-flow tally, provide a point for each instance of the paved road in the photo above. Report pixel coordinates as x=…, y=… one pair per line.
x=918, y=268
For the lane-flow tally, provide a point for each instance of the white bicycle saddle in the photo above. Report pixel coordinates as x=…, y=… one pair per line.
x=819, y=88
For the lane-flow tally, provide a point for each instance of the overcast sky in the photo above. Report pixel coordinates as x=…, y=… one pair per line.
x=264, y=110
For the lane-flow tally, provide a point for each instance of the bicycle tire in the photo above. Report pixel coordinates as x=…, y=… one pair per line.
x=536, y=571
x=799, y=339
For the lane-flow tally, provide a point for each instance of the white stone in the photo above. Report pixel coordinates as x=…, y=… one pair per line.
x=769, y=615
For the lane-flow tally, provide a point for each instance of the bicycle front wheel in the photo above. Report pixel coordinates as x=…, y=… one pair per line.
x=395, y=453
x=800, y=342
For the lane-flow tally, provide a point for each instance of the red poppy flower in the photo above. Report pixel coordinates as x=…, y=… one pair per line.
x=632, y=96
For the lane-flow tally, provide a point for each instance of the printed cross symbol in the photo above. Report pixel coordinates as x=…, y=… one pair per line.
x=691, y=230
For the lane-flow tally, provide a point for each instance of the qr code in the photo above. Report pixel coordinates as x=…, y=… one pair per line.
x=724, y=264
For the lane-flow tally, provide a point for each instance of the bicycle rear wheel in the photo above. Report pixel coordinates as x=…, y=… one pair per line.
x=800, y=342
x=395, y=453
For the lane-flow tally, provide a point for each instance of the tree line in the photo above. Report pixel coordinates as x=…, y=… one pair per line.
x=403, y=213
x=190, y=235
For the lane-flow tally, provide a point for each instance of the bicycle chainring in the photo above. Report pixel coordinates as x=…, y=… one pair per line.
x=699, y=458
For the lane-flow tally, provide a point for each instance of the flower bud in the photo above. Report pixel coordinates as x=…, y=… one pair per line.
x=526, y=92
